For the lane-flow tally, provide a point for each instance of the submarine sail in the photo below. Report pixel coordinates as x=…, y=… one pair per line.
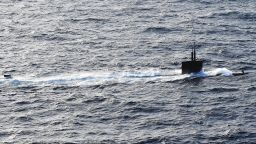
x=192, y=66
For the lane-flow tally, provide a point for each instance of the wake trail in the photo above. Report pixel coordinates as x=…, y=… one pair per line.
x=102, y=77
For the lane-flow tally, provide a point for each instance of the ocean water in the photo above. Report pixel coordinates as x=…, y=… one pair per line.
x=108, y=71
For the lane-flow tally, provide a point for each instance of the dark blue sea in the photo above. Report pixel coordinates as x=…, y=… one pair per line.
x=108, y=71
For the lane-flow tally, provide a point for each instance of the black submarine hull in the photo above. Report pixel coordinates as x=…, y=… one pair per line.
x=239, y=73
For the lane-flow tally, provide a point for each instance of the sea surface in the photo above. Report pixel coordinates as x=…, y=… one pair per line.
x=108, y=71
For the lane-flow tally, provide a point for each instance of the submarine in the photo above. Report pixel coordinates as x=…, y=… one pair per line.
x=195, y=66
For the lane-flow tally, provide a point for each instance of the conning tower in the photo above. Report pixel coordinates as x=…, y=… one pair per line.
x=192, y=66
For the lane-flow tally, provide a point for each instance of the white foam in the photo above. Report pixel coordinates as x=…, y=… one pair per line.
x=101, y=77
x=220, y=71
x=199, y=74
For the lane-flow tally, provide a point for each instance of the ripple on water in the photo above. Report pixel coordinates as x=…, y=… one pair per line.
x=90, y=71
x=161, y=30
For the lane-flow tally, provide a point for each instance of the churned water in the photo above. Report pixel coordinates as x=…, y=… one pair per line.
x=108, y=71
